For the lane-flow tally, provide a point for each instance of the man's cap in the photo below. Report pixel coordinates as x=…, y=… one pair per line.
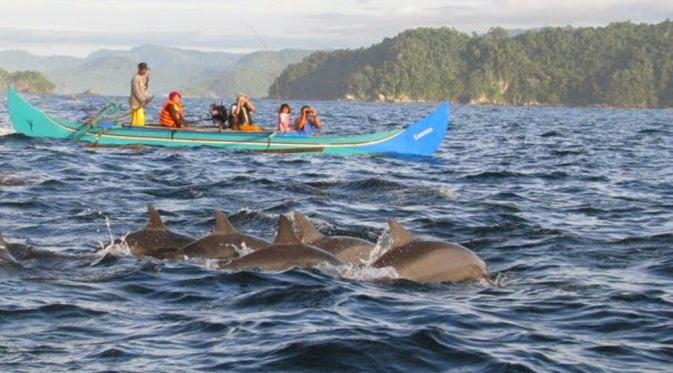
x=143, y=66
x=173, y=94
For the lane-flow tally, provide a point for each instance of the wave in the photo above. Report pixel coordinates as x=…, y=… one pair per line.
x=372, y=184
x=493, y=175
x=655, y=131
x=245, y=215
x=551, y=134
x=645, y=239
x=56, y=310
x=428, y=348
x=114, y=353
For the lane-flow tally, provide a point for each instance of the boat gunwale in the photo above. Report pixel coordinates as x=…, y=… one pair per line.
x=402, y=140
x=266, y=138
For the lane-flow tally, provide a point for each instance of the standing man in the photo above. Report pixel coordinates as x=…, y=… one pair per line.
x=140, y=95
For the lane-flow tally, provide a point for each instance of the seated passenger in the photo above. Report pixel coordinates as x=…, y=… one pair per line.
x=307, y=121
x=284, y=118
x=172, y=112
x=240, y=116
x=218, y=114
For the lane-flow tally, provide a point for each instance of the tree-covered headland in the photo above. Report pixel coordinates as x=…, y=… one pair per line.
x=26, y=81
x=622, y=64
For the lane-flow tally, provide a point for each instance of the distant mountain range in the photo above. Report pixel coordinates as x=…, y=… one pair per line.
x=256, y=70
x=195, y=73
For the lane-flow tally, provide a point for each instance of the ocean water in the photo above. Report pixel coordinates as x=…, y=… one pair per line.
x=572, y=210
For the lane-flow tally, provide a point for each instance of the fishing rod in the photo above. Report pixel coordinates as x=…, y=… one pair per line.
x=261, y=41
x=276, y=86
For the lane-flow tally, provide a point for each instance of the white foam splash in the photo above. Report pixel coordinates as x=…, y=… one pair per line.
x=364, y=273
x=448, y=193
x=108, y=225
x=252, y=212
x=120, y=248
x=242, y=249
x=383, y=244
x=486, y=283
x=497, y=282
x=213, y=264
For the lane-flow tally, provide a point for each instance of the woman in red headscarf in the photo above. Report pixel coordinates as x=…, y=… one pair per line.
x=172, y=112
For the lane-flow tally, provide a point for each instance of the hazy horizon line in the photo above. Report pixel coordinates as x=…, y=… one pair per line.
x=264, y=48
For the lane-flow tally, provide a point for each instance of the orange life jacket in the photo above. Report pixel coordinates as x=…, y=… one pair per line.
x=165, y=118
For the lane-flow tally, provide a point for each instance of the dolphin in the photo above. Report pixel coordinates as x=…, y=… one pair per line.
x=25, y=256
x=285, y=253
x=430, y=261
x=5, y=252
x=223, y=242
x=351, y=250
x=155, y=239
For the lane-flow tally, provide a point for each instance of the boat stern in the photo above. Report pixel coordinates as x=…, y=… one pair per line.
x=422, y=138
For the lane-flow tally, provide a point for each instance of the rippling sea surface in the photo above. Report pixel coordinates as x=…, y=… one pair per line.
x=572, y=210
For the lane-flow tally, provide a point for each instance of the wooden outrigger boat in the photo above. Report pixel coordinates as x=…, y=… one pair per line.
x=421, y=138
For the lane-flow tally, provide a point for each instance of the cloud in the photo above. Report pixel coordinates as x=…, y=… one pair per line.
x=193, y=39
x=79, y=26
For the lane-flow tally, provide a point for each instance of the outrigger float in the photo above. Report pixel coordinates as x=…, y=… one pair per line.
x=421, y=138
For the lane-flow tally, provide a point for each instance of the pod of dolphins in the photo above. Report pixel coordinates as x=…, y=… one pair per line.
x=412, y=259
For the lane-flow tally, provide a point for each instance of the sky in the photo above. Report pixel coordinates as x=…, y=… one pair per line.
x=78, y=27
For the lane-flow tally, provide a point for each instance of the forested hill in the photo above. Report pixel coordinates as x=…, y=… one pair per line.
x=623, y=64
x=25, y=81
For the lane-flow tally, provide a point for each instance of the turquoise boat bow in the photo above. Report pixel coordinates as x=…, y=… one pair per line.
x=421, y=138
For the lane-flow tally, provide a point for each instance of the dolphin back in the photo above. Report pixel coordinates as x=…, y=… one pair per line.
x=161, y=244
x=282, y=258
x=350, y=250
x=434, y=262
x=223, y=246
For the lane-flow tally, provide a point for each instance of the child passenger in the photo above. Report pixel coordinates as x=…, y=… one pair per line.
x=284, y=118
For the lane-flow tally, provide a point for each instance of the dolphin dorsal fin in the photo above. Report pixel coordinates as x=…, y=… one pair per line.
x=285, y=234
x=154, y=221
x=222, y=224
x=307, y=231
x=399, y=235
